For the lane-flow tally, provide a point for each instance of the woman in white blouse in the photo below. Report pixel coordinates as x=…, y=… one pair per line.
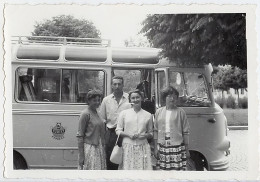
x=135, y=125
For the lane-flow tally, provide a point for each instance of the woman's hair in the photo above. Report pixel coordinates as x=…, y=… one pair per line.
x=135, y=91
x=92, y=94
x=168, y=91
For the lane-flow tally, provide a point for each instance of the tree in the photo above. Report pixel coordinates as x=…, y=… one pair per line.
x=218, y=78
x=235, y=78
x=66, y=26
x=227, y=77
x=138, y=41
x=195, y=39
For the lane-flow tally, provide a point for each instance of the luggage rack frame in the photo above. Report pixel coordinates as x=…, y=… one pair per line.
x=51, y=40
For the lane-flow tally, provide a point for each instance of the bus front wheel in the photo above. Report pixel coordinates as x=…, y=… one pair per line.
x=18, y=161
x=196, y=162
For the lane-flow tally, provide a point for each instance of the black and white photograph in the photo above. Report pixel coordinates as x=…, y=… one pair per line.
x=149, y=89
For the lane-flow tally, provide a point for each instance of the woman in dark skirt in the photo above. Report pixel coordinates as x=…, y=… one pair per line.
x=171, y=133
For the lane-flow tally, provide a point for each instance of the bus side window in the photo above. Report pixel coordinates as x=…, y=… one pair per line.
x=39, y=85
x=76, y=84
x=26, y=91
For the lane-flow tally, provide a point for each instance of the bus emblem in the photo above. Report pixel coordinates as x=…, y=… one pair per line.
x=58, y=131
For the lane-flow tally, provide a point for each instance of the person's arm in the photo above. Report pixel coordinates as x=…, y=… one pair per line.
x=83, y=120
x=186, y=132
x=149, y=130
x=103, y=110
x=120, y=126
x=155, y=134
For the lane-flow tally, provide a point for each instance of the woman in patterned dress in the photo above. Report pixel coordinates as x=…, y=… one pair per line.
x=171, y=133
x=135, y=125
x=91, y=135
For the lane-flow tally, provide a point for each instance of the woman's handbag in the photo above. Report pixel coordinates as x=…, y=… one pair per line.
x=117, y=153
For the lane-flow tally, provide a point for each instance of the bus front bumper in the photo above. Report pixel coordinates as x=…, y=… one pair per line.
x=221, y=165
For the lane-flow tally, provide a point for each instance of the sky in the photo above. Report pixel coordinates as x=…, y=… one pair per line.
x=116, y=24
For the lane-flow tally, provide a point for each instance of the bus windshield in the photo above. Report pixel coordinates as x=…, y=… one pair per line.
x=192, y=88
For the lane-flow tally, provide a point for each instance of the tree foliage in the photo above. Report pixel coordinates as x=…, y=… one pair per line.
x=219, y=77
x=195, y=39
x=227, y=77
x=66, y=26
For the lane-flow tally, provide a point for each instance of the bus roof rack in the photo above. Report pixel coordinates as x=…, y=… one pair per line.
x=51, y=40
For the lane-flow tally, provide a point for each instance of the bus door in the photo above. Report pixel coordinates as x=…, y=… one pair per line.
x=139, y=78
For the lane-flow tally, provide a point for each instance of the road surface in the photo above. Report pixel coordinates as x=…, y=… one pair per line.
x=239, y=143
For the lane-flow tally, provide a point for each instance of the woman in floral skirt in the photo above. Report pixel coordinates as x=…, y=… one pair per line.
x=91, y=135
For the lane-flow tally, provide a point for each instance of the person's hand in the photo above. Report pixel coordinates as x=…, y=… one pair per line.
x=81, y=157
x=80, y=167
x=134, y=136
x=156, y=154
x=187, y=154
x=142, y=136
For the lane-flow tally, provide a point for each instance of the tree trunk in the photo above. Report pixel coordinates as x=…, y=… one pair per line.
x=223, y=100
x=238, y=97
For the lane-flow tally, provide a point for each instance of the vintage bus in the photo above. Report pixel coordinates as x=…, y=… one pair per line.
x=51, y=76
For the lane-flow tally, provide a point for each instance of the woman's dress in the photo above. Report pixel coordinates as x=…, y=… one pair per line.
x=136, y=153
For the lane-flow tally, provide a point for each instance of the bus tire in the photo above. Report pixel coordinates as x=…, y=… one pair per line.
x=18, y=161
x=196, y=162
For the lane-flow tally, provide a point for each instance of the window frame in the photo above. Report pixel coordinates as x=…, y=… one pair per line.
x=16, y=94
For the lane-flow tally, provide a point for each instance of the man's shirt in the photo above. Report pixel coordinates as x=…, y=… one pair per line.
x=110, y=108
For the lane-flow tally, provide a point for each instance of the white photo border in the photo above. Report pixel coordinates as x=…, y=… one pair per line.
x=253, y=138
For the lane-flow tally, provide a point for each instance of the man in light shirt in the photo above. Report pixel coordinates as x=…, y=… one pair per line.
x=110, y=108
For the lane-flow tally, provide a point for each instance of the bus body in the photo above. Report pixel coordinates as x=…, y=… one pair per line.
x=51, y=77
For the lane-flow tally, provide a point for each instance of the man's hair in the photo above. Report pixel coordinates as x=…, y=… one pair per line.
x=118, y=78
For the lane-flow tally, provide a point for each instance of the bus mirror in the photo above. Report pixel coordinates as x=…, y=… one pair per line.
x=200, y=76
x=209, y=70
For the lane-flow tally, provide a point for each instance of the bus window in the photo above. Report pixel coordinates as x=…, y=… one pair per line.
x=141, y=79
x=176, y=80
x=76, y=84
x=192, y=89
x=131, y=78
x=47, y=85
x=38, y=84
x=161, y=81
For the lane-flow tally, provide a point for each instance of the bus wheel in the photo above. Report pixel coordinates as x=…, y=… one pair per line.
x=195, y=163
x=18, y=161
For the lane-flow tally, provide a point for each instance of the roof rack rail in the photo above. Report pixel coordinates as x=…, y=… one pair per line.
x=61, y=40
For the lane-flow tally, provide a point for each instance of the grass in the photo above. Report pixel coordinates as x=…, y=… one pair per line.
x=236, y=117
